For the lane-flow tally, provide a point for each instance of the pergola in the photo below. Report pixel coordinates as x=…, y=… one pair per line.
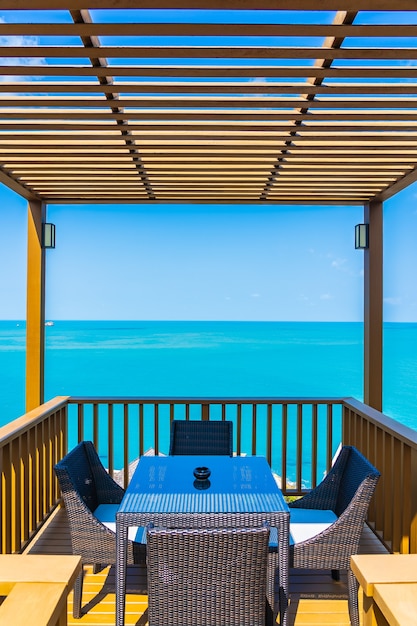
x=208, y=101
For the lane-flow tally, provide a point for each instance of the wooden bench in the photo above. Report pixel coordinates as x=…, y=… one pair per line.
x=36, y=588
x=389, y=584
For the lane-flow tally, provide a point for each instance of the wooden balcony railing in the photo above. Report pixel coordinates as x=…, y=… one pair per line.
x=392, y=448
x=29, y=448
x=299, y=437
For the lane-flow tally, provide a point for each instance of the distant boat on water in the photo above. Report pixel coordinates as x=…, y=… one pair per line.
x=49, y=323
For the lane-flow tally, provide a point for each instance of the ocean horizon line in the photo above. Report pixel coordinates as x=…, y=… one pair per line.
x=208, y=321
x=209, y=359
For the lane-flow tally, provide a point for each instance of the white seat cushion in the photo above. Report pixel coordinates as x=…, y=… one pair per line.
x=306, y=523
x=106, y=514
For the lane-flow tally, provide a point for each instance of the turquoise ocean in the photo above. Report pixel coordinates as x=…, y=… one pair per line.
x=160, y=358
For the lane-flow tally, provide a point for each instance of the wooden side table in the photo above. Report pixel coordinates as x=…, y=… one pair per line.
x=36, y=588
x=397, y=603
x=388, y=582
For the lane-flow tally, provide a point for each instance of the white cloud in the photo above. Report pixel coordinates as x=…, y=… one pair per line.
x=259, y=80
x=255, y=295
x=19, y=41
x=326, y=296
x=339, y=264
x=393, y=301
x=306, y=300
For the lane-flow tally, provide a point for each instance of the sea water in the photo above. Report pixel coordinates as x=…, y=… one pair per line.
x=154, y=358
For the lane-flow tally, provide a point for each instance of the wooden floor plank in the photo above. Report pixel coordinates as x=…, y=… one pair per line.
x=315, y=598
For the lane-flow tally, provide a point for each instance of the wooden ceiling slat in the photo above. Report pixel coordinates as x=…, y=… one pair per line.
x=219, y=114
x=92, y=133
x=248, y=5
x=388, y=139
x=208, y=71
x=211, y=87
x=24, y=105
x=212, y=52
x=140, y=29
x=320, y=133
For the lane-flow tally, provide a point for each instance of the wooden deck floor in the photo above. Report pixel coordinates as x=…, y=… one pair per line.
x=315, y=599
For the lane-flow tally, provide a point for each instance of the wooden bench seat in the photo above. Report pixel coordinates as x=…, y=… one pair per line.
x=389, y=583
x=36, y=588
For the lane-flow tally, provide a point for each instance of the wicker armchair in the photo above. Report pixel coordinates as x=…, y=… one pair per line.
x=201, y=437
x=207, y=577
x=346, y=490
x=90, y=495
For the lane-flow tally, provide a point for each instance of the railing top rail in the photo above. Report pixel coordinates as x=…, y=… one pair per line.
x=200, y=400
x=388, y=424
x=18, y=426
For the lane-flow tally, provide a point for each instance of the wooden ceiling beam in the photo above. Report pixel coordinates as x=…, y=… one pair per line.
x=195, y=29
x=210, y=71
x=212, y=52
x=218, y=5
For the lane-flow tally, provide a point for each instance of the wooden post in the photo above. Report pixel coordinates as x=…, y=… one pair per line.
x=35, y=307
x=373, y=307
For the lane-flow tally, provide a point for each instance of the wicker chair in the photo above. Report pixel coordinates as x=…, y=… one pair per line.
x=207, y=577
x=90, y=495
x=346, y=490
x=201, y=437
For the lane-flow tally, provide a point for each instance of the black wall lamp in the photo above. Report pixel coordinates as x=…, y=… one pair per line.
x=48, y=235
x=361, y=236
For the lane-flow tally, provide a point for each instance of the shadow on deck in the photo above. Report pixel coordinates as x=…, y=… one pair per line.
x=315, y=599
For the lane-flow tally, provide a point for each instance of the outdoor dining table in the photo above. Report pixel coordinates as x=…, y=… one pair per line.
x=239, y=492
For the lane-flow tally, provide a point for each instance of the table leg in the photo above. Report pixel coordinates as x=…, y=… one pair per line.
x=369, y=612
x=121, y=564
x=283, y=568
x=270, y=612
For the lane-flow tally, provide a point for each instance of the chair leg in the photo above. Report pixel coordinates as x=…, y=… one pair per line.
x=270, y=592
x=353, y=587
x=335, y=574
x=78, y=592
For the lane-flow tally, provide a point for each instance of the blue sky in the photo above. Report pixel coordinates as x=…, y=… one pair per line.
x=209, y=262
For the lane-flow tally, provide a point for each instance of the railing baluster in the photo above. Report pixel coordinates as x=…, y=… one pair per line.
x=156, y=428
x=239, y=430
x=110, y=437
x=329, y=453
x=25, y=480
x=16, y=496
x=284, y=446
x=80, y=422
x=6, y=500
x=141, y=430
x=299, y=460
x=269, y=434
x=95, y=425
x=254, y=428
x=126, y=444
x=314, y=444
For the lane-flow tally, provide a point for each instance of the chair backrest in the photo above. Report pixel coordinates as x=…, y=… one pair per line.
x=358, y=474
x=201, y=437
x=210, y=577
x=76, y=475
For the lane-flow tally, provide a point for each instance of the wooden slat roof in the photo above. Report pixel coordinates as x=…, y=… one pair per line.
x=218, y=101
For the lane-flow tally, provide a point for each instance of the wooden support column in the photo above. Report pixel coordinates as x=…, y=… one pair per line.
x=373, y=305
x=35, y=307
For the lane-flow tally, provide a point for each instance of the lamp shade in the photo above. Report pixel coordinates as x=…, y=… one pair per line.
x=48, y=236
x=361, y=236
